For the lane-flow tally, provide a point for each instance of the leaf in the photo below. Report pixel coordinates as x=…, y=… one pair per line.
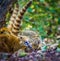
x=58, y=20
x=42, y=1
x=29, y=9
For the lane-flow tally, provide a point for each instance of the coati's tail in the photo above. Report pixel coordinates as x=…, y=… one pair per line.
x=17, y=22
x=13, y=17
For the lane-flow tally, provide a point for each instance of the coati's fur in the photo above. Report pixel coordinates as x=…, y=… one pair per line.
x=33, y=38
x=13, y=17
x=17, y=22
x=8, y=41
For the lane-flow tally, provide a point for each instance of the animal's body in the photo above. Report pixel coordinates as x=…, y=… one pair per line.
x=9, y=42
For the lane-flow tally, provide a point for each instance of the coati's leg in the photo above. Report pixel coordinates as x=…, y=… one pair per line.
x=17, y=22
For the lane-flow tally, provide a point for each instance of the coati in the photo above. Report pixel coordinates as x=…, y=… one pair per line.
x=9, y=41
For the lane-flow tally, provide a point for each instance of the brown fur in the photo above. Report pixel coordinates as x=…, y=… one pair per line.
x=8, y=41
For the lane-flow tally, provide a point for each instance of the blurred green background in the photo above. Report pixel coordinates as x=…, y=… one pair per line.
x=42, y=16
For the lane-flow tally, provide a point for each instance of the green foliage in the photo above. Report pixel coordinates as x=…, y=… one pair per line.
x=41, y=16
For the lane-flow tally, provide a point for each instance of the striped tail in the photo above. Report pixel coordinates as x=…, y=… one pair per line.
x=17, y=22
x=13, y=17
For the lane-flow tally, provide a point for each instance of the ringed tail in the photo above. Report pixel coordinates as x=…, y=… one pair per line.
x=17, y=22
x=13, y=17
